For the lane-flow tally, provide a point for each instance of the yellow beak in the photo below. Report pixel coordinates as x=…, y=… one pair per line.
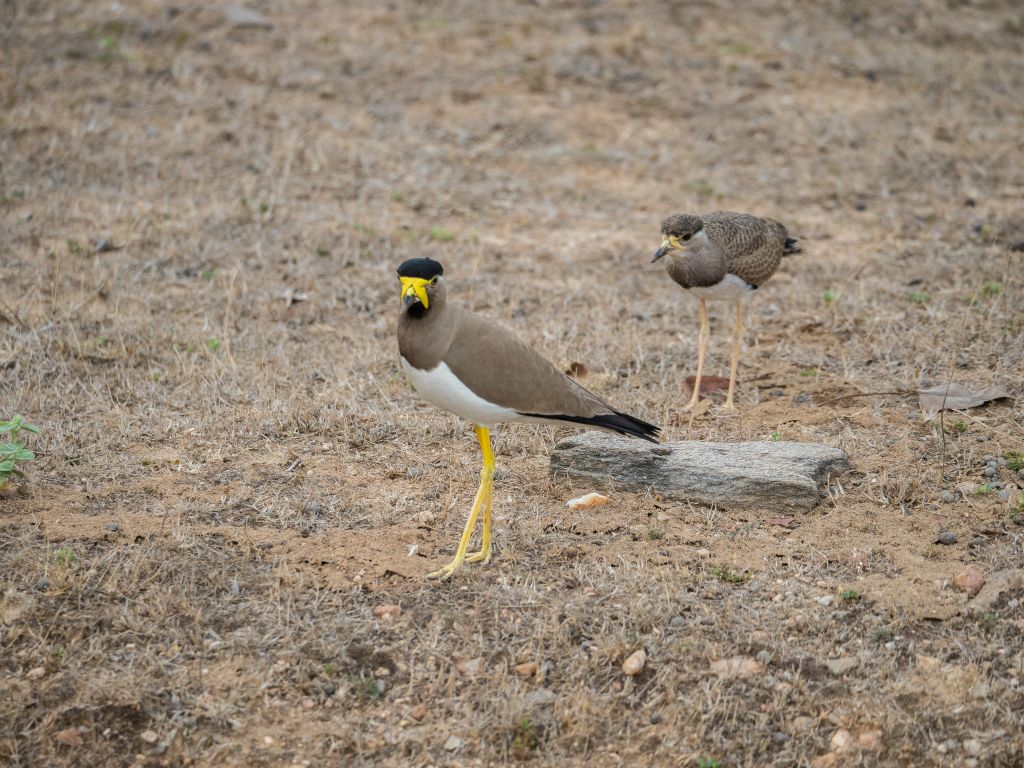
x=415, y=289
x=667, y=245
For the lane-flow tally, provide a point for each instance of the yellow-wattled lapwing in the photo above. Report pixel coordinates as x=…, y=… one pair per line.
x=722, y=255
x=475, y=368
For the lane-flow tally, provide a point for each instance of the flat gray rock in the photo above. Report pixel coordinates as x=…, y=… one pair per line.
x=775, y=477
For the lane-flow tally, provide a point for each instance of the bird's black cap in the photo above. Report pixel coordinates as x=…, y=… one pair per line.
x=423, y=268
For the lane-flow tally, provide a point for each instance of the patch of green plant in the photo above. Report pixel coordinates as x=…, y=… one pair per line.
x=702, y=187
x=810, y=371
x=883, y=635
x=984, y=490
x=208, y=274
x=441, y=234
x=775, y=436
x=708, y=762
x=365, y=688
x=988, y=621
x=330, y=669
x=730, y=575
x=13, y=450
x=828, y=297
x=524, y=738
x=1014, y=460
x=65, y=557
x=851, y=595
x=109, y=46
x=213, y=344
x=323, y=251
x=991, y=289
x=397, y=197
x=919, y=297
x=955, y=428
x=654, y=534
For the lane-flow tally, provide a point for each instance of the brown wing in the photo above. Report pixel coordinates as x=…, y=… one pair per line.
x=753, y=246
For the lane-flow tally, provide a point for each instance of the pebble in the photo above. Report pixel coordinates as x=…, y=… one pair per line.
x=655, y=718
x=453, y=743
x=35, y=674
x=527, y=669
x=1003, y=495
x=113, y=527
x=43, y=584
x=972, y=747
x=418, y=712
x=969, y=580
x=149, y=737
x=826, y=600
x=328, y=687
x=634, y=664
x=841, y=741
x=991, y=470
x=308, y=703
x=677, y=621
x=946, y=537
x=948, y=496
x=312, y=508
x=841, y=665
x=387, y=612
x=764, y=657
x=70, y=736
x=413, y=472
x=779, y=737
x=469, y=667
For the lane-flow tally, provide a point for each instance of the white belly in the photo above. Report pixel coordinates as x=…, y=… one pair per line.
x=731, y=287
x=442, y=388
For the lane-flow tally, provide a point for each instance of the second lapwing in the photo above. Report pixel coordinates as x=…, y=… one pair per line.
x=722, y=255
x=475, y=368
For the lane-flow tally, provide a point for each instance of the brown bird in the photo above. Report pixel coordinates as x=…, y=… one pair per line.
x=475, y=368
x=722, y=255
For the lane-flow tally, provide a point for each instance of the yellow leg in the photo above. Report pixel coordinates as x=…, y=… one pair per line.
x=702, y=348
x=737, y=340
x=481, y=502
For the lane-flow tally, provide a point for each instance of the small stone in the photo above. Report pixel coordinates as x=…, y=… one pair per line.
x=841, y=741
x=736, y=667
x=69, y=736
x=969, y=580
x=980, y=690
x=763, y=657
x=453, y=743
x=149, y=737
x=947, y=538
x=387, y=612
x=527, y=669
x=413, y=472
x=869, y=739
x=308, y=703
x=635, y=662
x=418, y=712
x=841, y=666
x=239, y=16
x=966, y=489
x=43, y=584
x=947, y=496
x=469, y=667
x=802, y=724
x=103, y=244
x=991, y=470
x=328, y=687
x=826, y=600
x=1003, y=495
x=35, y=674
x=235, y=589
x=312, y=508
x=113, y=527
x=268, y=740
x=973, y=747
x=678, y=621
x=702, y=552
x=828, y=760
x=779, y=737
x=655, y=718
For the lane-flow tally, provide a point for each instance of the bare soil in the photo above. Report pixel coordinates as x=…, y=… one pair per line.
x=233, y=475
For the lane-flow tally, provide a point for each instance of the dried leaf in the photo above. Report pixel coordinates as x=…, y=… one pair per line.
x=957, y=397
x=585, y=502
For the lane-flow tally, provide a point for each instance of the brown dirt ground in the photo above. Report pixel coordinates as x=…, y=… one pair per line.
x=269, y=472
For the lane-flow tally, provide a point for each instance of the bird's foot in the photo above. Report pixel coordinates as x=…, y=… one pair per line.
x=443, y=574
x=483, y=556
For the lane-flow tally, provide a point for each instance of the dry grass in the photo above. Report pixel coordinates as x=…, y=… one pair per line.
x=268, y=469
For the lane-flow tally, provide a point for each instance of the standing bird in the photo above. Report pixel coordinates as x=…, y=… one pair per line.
x=475, y=368
x=722, y=255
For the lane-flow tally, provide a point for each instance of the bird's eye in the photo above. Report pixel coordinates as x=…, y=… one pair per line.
x=687, y=237
x=434, y=280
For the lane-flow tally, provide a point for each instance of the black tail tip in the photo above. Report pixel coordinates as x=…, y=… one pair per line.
x=625, y=424
x=792, y=246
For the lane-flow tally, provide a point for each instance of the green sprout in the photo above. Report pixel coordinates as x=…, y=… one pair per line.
x=14, y=451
